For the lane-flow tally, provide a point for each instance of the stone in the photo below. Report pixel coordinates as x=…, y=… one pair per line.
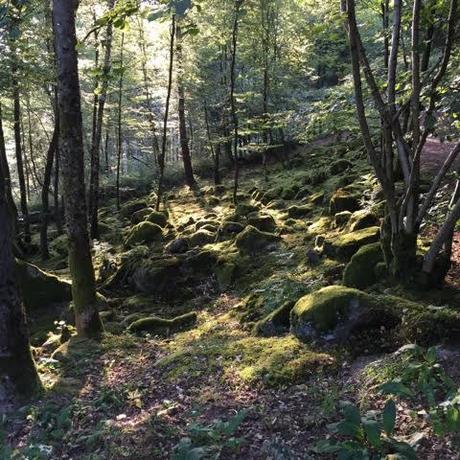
x=178, y=246
x=163, y=327
x=128, y=209
x=251, y=240
x=296, y=212
x=361, y=270
x=263, y=222
x=140, y=215
x=143, y=233
x=363, y=219
x=342, y=218
x=157, y=218
x=156, y=276
x=342, y=200
x=276, y=323
x=201, y=238
x=340, y=166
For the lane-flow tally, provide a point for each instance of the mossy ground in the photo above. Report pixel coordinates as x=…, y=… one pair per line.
x=135, y=396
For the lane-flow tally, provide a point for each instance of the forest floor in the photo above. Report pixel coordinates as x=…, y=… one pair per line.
x=219, y=389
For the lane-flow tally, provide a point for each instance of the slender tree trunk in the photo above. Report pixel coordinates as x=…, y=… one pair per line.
x=18, y=149
x=186, y=158
x=46, y=189
x=119, y=126
x=215, y=153
x=18, y=376
x=96, y=146
x=161, y=159
x=87, y=318
x=57, y=210
x=238, y=4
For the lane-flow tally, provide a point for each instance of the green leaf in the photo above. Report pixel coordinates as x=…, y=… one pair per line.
x=350, y=412
x=373, y=431
x=389, y=417
x=396, y=388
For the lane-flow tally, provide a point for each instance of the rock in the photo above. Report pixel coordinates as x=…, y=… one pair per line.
x=361, y=271
x=243, y=209
x=156, y=276
x=219, y=190
x=40, y=289
x=345, y=246
x=303, y=193
x=296, y=212
x=144, y=233
x=251, y=240
x=140, y=215
x=225, y=273
x=229, y=230
x=200, y=261
x=213, y=201
x=289, y=192
x=276, y=323
x=178, y=246
x=60, y=245
x=157, y=218
x=206, y=223
x=341, y=200
x=363, y=219
x=201, y=238
x=276, y=204
x=341, y=219
x=263, y=222
x=128, y=209
x=164, y=327
x=313, y=257
x=334, y=313
x=318, y=199
x=340, y=166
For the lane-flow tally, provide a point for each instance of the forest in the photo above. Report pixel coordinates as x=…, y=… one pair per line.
x=230, y=229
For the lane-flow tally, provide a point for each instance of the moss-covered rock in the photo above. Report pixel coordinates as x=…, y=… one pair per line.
x=128, y=209
x=60, y=246
x=158, y=218
x=334, y=313
x=164, y=327
x=303, y=193
x=318, y=198
x=363, y=219
x=263, y=222
x=201, y=238
x=346, y=245
x=251, y=240
x=40, y=289
x=144, y=233
x=243, y=209
x=277, y=204
x=296, y=212
x=140, y=215
x=342, y=200
x=156, y=276
x=361, y=270
x=213, y=201
x=276, y=323
x=341, y=219
x=178, y=246
x=207, y=223
x=229, y=230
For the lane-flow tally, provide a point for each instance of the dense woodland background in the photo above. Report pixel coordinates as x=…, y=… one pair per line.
x=229, y=229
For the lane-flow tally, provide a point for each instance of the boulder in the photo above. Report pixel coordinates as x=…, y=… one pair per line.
x=276, y=204
x=201, y=238
x=140, y=215
x=361, y=270
x=342, y=200
x=341, y=219
x=213, y=201
x=340, y=166
x=143, y=233
x=156, y=276
x=178, y=246
x=128, y=209
x=60, y=245
x=345, y=246
x=157, y=218
x=296, y=212
x=263, y=222
x=334, y=313
x=251, y=240
x=318, y=199
x=40, y=289
x=163, y=327
x=243, y=209
x=276, y=323
x=207, y=223
x=303, y=193
x=229, y=230
x=363, y=219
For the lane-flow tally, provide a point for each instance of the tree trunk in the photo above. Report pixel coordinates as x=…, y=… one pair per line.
x=96, y=146
x=87, y=318
x=18, y=376
x=186, y=158
x=215, y=153
x=18, y=149
x=119, y=128
x=161, y=159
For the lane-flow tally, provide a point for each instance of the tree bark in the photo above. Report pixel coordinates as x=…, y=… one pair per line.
x=87, y=318
x=119, y=127
x=185, y=150
x=18, y=376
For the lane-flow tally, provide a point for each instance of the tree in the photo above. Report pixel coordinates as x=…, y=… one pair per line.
x=87, y=318
x=18, y=375
x=405, y=214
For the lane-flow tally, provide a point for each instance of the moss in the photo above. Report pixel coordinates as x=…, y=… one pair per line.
x=128, y=209
x=201, y=238
x=243, y=209
x=341, y=219
x=144, y=232
x=157, y=218
x=251, y=240
x=140, y=215
x=60, y=246
x=303, y=193
x=342, y=200
x=40, y=289
x=156, y=276
x=213, y=201
x=263, y=222
x=345, y=246
x=363, y=219
x=320, y=227
x=296, y=212
x=276, y=323
x=317, y=199
x=360, y=272
x=159, y=326
x=340, y=166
